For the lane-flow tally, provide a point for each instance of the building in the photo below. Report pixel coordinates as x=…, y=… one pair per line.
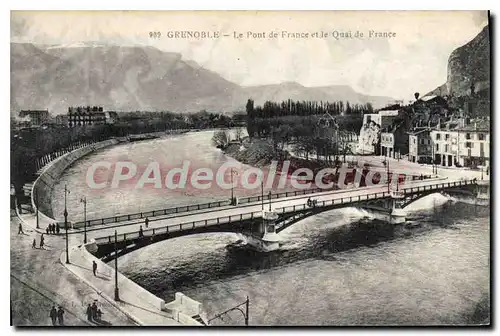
x=474, y=141
x=462, y=143
x=420, y=145
x=87, y=115
x=394, y=142
x=373, y=123
x=62, y=119
x=35, y=117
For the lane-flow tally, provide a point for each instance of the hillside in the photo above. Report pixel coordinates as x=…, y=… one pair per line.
x=468, y=65
x=126, y=78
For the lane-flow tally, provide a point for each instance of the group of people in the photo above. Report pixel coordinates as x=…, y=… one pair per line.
x=52, y=228
x=42, y=242
x=93, y=312
x=57, y=315
x=311, y=203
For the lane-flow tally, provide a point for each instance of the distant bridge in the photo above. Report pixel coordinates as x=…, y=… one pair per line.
x=248, y=218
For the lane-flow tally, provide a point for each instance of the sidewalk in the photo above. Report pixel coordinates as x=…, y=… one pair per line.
x=131, y=306
x=131, y=302
x=39, y=280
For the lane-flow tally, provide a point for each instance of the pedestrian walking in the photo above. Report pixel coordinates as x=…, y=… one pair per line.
x=51, y=228
x=94, y=267
x=34, y=243
x=47, y=230
x=53, y=315
x=99, y=314
x=141, y=234
x=57, y=228
x=60, y=315
x=146, y=222
x=94, y=311
x=89, y=313
x=20, y=229
x=42, y=241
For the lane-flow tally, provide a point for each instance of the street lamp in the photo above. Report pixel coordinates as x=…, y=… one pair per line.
x=269, y=200
x=66, y=223
x=36, y=205
x=262, y=194
x=117, y=292
x=84, y=201
x=245, y=313
x=388, y=178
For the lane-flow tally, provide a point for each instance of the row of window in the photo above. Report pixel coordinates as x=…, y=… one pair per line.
x=446, y=147
x=468, y=136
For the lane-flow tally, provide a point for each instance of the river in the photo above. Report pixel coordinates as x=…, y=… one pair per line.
x=336, y=268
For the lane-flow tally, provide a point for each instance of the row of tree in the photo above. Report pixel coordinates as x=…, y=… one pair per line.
x=322, y=128
x=305, y=108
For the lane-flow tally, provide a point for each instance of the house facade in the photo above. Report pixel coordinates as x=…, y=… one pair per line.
x=420, y=146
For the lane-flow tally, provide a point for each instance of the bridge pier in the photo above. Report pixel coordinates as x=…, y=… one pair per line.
x=268, y=240
x=397, y=214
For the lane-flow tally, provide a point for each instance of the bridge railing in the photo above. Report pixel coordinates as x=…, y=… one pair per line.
x=179, y=227
x=152, y=213
x=439, y=186
x=258, y=214
x=192, y=207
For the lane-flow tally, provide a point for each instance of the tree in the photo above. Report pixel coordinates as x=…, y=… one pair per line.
x=220, y=139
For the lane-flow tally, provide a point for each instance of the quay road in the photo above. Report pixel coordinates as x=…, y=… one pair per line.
x=236, y=211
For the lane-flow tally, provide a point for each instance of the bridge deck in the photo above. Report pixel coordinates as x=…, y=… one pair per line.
x=238, y=213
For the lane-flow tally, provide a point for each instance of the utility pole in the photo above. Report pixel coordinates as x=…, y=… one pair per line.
x=66, y=223
x=84, y=201
x=117, y=292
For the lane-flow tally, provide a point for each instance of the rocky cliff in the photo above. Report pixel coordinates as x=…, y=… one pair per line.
x=469, y=66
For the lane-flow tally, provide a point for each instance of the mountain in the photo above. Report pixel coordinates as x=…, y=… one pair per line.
x=468, y=65
x=129, y=78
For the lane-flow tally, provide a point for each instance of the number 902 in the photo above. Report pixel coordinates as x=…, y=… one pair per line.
x=155, y=35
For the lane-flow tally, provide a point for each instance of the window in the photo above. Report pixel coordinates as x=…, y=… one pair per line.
x=437, y=147
x=467, y=136
x=438, y=136
x=422, y=141
x=480, y=136
x=469, y=145
x=446, y=148
x=414, y=141
x=447, y=137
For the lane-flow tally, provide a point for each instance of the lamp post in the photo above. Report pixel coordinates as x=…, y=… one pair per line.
x=388, y=178
x=262, y=194
x=84, y=201
x=36, y=204
x=117, y=292
x=269, y=200
x=66, y=223
x=245, y=313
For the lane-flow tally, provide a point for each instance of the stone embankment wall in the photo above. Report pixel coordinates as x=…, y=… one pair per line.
x=41, y=194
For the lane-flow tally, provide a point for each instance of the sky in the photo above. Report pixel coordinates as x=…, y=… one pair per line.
x=414, y=60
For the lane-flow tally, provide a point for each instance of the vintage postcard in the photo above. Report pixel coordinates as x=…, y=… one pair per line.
x=250, y=168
